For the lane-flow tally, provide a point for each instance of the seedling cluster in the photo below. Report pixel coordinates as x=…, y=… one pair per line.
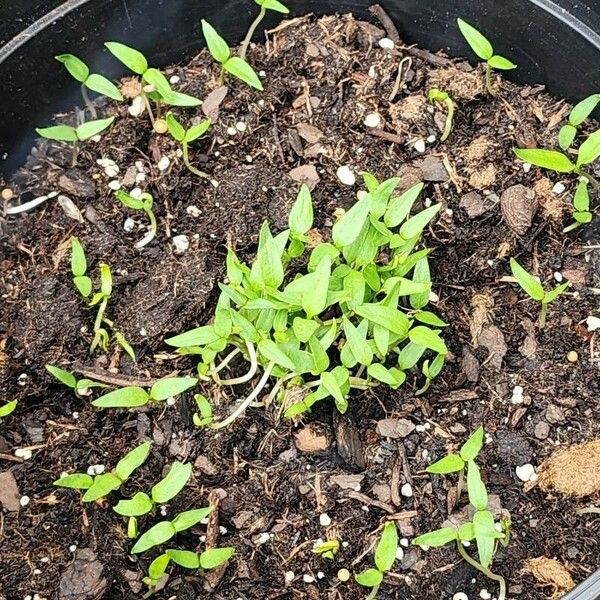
x=440, y=97
x=144, y=202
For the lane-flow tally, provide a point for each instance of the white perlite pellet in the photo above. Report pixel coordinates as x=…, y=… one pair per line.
x=181, y=243
x=163, y=163
x=324, y=520
x=419, y=146
x=526, y=472
x=346, y=175
x=386, y=43
x=372, y=120
x=406, y=490
x=558, y=188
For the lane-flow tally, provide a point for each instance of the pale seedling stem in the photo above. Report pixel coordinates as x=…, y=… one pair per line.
x=373, y=593
x=225, y=361
x=244, y=378
x=482, y=569
x=98, y=323
x=248, y=38
x=88, y=103
x=186, y=162
x=244, y=405
x=148, y=108
x=488, y=79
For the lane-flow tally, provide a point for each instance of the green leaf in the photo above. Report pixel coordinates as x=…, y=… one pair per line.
x=556, y=292
x=137, y=506
x=155, y=536
x=589, y=151
x=437, y=538
x=392, y=377
x=410, y=355
x=423, y=336
x=78, y=261
x=156, y=79
x=499, y=62
x=386, y=316
x=314, y=299
x=184, y=558
x=566, y=136
x=430, y=318
x=304, y=329
x=175, y=480
x=348, y=228
x=319, y=355
x=421, y=274
x=332, y=386
x=92, y=128
x=217, y=46
x=63, y=376
x=356, y=338
x=132, y=460
x=485, y=535
x=528, y=282
x=581, y=200
x=200, y=336
x=547, y=159
x=84, y=285
x=158, y=567
x=215, y=557
x=369, y=578
x=60, y=133
x=8, y=408
x=452, y=463
x=273, y=353
x=179, y=99
x=122, y=341
x=273, y=5
x=471, y=448
x=129, y=201
x=76, y=481
x=399, y=208
x=133, y=59
x=189, y=518
x=103, y=485
x=354, y=286
x=239, y=68
x=478, y=42
x=319, y=252
x=101, y=85
x=415, y=225
x=385, y=553
x=76, y=67
x=466, y=532
x=197, y=130
x=127, y=397
x=300, y=219
x=478, y=496
x=171, y=386
x=583, y=109
x=176, y=129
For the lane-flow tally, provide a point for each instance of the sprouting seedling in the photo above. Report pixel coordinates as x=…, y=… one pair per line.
x=556, y=161
x=484, y=50
x=265, y=5
x=441, y=97
x=234, y=65
x=579, y=113
x=206, y=561
x=187, y=136
x=92, y=81
x=535, y=290
x=328, y=549
x=144, y=203
x=581, y=204
x=457, y=463
x=385, y=556
x=82, y=387
x=160, y=90
x=164, y=491
x=75, y=135
x=203, y=417
x=84, y=286
x=483, y=529
x=134, y=396
x=101, y=485
x=8, y=408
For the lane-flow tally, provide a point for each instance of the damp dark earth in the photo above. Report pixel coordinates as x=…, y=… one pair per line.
x=341, y=97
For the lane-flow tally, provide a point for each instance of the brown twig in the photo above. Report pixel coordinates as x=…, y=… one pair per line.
x=390, y=29
x=10, y=458
x=384, y=135
x=212, y=537
x=388, y=508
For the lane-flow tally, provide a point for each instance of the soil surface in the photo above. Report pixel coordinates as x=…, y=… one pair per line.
x=268, y=474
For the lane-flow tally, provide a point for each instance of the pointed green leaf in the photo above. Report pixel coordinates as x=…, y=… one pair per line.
x=133, y=59
x=583, y=109
x=215, y=557
x=385, y=553
x=92, y=128
x=314, y=299
x=556, y=292
x=566, y=136
x=171, y=386
x=189, y=518
x=547, y=159
x=369, y=578
x=423, y=336
x=102, y=85
x=421, y=274
x=478, y=496
x=176, y=129
x=527, y=281
x=137, y=506
x=175, y=480
x=273, y=5
x=239, y=68
x=478, y=42
x=197, y=130
x=75, y=481
x=103, y=485
x=300, y=219
x=348, y=228
x=399, y=208
x=332, y=386
x=437, y=538
x=466, y=532
x=304, y=328
x=63, y=376
x=127, y=397
x=217, y=46
x=132, y=460
x=200, y=336
x=589, y=151
x=184, y=558
x=386, y=316
x=156, y=79
x=470, y=449
x=155, y=536
x=76, y=67
x=415, y=225
x=158, y=567
x=452, y=463
x=273, y=353
x=84, y=285
x=485, y=535
x=356, y=338
x=59, y=133
x=179, y=99
x=499, y=62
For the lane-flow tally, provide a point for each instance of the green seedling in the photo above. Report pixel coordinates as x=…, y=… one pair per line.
x=457, y=463
x=327, y=549
x=581, y=206
x=441, y=97
x=484, y=50
x=144, y=202
x=206, y=561
x=579, y=113
x=347, y=316
x=185, y=137
x=158, y=88
x=89, y=81
x=385, y=556
x=483, y=528
x=203, y=417
x=101, y=485
x=265, y=5
x=535, y=290
x=8, y=408
x=234, y=65
x=134, y=396
x=82, y=387
x=100, y=298
x=75, y=135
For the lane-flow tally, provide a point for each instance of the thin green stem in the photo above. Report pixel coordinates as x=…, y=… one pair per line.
x=589, y=177
x=543, y=314
x=484, y=570
x=248, y=38
x=148, y=108
x=74, y=153
x=98, y=323
x=488, y=79
x=373, y=593
x=190, y=167
x=449, y=119
x=88, y=103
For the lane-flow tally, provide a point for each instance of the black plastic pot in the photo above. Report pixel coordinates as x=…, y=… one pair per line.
x=553, y=42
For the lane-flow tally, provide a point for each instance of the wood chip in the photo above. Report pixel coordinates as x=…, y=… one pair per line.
x=212, y=102
x=519, y=205
x=395, y=428
x=312, y=439
x=305, y=174
x=308, y=132
x=9, y=492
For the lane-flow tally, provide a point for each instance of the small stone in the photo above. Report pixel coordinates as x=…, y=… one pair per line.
x=395, y=428
x=593, y=323
x=433, y=169
x=554, y=414
x=163, y=163
x=231, y=131
x=526, y=167
x=308, y=578
x=171, y=401
x=399, y=553
x=343, y=575
x=519, y=205
x=431, y=139
x=24, y=501
x=406, y=490
x=23, y=453
x=83, y=578
x=460, y=596
x=181, y=243
x=324, y=520
x=72, y=548
x=263, y=538
x=386, y=43
x=136, y=192
x=346, y=175
x=305, y=174
x=525, y=472
x=112, y=171
x=9, y=492
x=558, y=276
x=419, y=146
x=174, y=79
x=372, y=120
x=558, y=188
x=7, y=194
x=289, y=576
x=129, y=225
x=137, y=107
x=541, y=430
x=572, y=356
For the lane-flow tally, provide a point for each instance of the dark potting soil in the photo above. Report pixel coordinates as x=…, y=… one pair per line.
x=268, y=474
